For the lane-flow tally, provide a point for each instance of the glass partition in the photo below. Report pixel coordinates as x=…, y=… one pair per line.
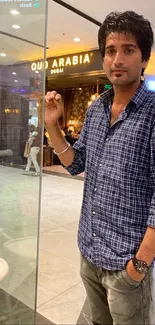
x=61, y=294
x=22, y=39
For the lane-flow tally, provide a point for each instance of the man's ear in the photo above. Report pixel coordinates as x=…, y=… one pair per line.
x=145, y=64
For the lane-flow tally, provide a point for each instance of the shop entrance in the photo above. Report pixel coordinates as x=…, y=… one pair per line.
x=78, y=91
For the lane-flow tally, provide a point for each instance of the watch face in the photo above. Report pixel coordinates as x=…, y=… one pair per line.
x=140, y=266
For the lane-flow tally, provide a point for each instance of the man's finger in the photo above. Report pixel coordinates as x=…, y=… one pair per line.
x=58, y=97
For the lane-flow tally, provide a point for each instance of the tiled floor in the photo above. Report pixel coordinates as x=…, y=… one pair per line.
x=60, y=292
x=60, y=286
x=13, y=312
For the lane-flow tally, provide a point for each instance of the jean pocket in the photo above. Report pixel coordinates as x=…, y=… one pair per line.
x=128, y=280
x=151, y=284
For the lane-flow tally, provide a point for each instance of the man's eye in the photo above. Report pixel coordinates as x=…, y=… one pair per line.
x=128, y=51
x=110, y=52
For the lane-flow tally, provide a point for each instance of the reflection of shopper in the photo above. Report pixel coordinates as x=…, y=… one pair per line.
x=34, y=143
x=116, y=149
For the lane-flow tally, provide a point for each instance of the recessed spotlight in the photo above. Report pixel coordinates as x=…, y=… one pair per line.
x=3, y=54
x=76, y=39
x=14, y=12
x=36, y=71
x=14, y=73
x=16, y=26
x=15, y=80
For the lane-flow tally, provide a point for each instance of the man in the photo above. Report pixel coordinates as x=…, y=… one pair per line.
x=117, y=151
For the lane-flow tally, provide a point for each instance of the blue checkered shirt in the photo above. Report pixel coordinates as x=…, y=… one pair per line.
x=119, y=186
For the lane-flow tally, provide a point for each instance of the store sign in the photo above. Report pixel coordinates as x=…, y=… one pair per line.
x=58, y=65
x=38, y=66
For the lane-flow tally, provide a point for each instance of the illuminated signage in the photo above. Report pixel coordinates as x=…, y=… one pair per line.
x=55, y=71
x=38, y=66
x=9, y=110
x=57, y=65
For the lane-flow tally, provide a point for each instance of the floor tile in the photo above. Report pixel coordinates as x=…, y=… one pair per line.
x=55, y=276
x=61, y=212
x=62, y=242
x=66, y=308
x=13, y=312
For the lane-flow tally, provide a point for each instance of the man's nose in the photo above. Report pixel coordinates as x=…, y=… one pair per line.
x=119, y=59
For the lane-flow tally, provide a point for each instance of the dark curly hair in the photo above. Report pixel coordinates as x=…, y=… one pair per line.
x=128, y=22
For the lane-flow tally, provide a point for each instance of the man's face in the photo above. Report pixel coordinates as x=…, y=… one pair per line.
x=122, y=62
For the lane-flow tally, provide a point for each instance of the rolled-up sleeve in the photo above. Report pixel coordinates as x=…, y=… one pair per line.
x=151, y=219
x=78, y=164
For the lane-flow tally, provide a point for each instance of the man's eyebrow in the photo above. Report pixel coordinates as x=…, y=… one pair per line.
x=123, y=45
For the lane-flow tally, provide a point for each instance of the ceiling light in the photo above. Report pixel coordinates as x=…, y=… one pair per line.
x=76, y=39
x=3, y=54
x=14, y=73
x=16, y=26
x=15, y=80
x=14, y=12
x=36, y=71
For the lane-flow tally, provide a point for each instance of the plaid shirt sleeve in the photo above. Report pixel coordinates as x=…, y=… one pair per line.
x=151, y=219
x=78, y=164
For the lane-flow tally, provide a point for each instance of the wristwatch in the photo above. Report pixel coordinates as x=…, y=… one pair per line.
x=140, y=266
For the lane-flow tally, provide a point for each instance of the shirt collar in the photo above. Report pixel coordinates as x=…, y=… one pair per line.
x=137, y=99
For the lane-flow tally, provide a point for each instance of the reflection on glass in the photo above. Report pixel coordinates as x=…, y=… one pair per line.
x=21, y=91
x=150, y=73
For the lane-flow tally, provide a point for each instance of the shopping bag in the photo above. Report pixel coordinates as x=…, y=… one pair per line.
x=27, y=150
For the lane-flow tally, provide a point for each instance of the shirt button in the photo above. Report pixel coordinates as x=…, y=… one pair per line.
x=107, y=139
x=95, y=189
x=94, y=235
x=100, y=165
x=94, y=212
